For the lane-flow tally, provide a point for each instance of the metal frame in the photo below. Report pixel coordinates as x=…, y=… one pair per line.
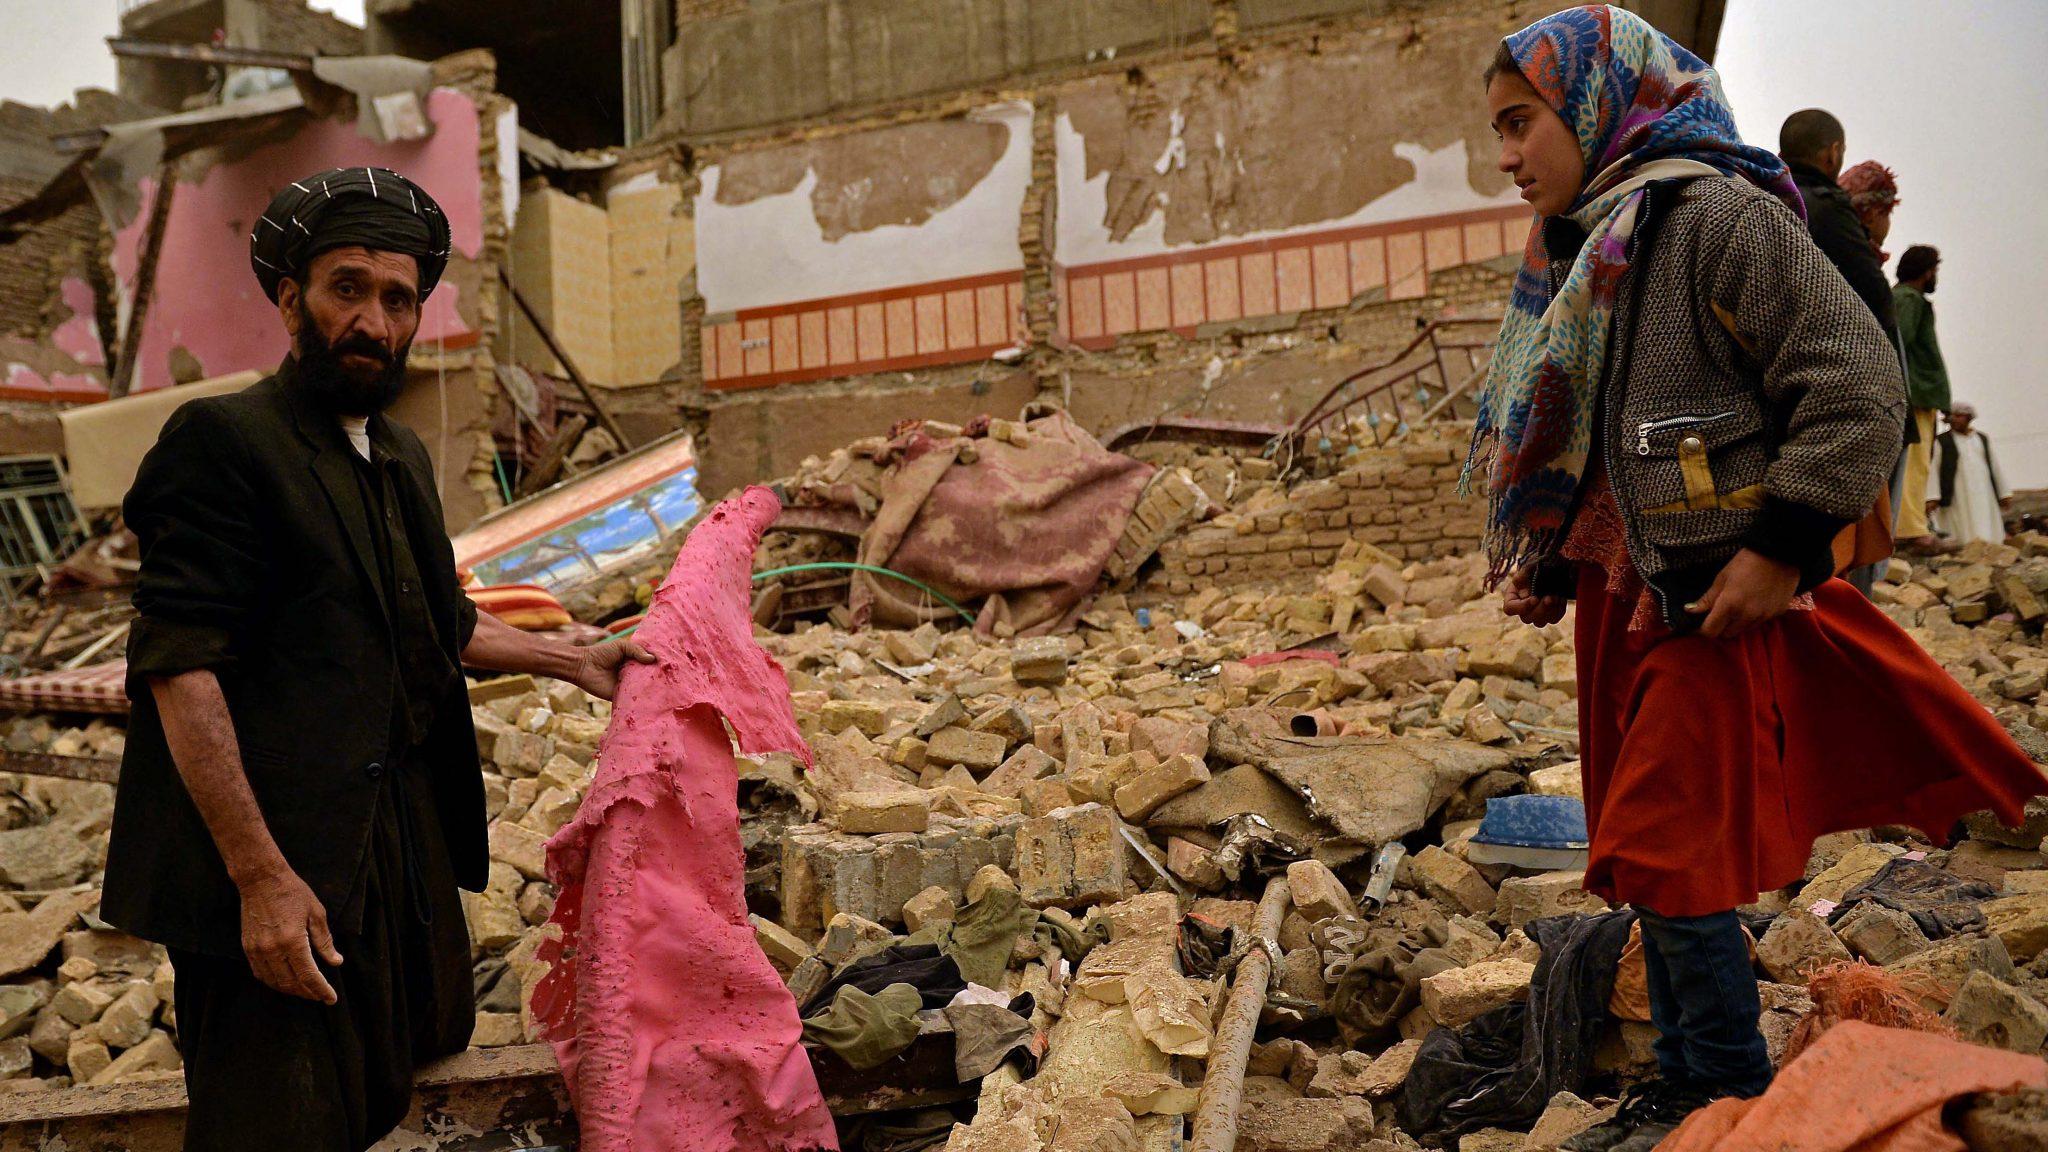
x=39, y=524
x=1458, y=350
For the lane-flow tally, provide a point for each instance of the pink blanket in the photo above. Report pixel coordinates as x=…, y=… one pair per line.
x=672, y=1029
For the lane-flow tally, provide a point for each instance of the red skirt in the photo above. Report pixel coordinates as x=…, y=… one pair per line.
x=1711, y=765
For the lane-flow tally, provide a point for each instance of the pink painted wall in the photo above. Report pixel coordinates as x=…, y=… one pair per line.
x=77, y=337
x=206, y=297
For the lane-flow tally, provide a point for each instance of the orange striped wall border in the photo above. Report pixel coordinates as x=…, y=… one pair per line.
x=1181, y=291
x=889, y=330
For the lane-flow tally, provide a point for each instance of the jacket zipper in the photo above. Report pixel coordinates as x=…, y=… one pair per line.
x=1610, y=400
x=1648, y=428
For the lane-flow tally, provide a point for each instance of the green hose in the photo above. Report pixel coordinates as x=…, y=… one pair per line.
x=920, y=585
x=843, y=565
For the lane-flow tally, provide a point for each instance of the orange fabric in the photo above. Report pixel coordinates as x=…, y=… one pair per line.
x=1711, y=765
x=1868, y=540
x=1860, y=1088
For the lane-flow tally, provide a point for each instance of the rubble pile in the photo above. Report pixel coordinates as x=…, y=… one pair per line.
x=1063, y=839
x=79, y=1002
x=1980, y=612
x=1150, y=770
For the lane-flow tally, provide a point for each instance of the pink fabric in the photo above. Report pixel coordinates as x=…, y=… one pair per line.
x=672, y=1029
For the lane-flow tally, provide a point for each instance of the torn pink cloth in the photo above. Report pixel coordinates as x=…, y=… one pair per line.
x=672, y=1030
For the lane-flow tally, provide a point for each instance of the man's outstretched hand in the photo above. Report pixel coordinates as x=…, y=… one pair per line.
x=598, y=672
x=1752, y=589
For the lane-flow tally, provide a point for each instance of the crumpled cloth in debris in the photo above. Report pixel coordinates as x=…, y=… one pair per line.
x=867, y=1031
x=671, y=1027
x=1207, y=948
x=933, y=974
x=982, y=935
x=1860, y=1088
x=1500, y=1070
x=1057, y=931
x=1028, y=524
x=985, y=1035
x=1939, y=901
x=1378, y=974
x=901, y=1131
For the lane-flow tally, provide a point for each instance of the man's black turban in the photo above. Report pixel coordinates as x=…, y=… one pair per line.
x=373, y=207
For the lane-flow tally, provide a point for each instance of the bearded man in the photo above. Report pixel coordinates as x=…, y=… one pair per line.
x=300, y=796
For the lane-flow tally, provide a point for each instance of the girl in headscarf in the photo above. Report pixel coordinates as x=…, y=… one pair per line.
x=1686, y=404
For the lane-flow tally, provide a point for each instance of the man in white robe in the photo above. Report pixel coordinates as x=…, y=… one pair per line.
x=1965, y=498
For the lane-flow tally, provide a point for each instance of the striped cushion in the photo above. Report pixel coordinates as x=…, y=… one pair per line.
x=97, y=688
x=528, y=607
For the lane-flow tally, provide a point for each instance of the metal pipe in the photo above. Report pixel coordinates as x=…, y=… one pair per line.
x=1223, y=1084
x=576, y=377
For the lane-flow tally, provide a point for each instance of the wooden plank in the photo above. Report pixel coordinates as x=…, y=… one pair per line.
x=484, y=1097
x=93, y=769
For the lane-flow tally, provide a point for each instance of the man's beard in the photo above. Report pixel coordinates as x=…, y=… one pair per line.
x=341, y=388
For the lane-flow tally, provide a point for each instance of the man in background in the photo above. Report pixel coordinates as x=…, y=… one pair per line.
x=1812, y=144
x=1965, y=499
x=1927, y=391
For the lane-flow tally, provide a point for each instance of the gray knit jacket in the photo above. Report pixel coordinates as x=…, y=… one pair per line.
x=1751, y=399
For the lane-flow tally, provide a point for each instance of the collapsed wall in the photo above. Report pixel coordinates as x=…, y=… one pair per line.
x=1403, y=499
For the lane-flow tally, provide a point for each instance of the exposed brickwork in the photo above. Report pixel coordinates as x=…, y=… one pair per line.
x=1402, y=498
x=825, y=873
x=290, y=26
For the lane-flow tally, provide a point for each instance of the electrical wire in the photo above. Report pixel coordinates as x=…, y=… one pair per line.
x=847, y=565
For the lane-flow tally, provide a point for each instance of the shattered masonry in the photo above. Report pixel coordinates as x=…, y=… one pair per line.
x=1100, y=781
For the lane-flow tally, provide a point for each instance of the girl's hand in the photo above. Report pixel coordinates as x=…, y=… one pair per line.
x=1520, y=601
x=1752, y=589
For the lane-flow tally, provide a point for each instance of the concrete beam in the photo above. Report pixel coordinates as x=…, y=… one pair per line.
x=514, y=1094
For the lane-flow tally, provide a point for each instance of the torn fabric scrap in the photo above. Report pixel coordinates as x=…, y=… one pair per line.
x=672, y=1029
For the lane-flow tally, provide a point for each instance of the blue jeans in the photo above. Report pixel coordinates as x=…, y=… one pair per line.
x=1703, y=1000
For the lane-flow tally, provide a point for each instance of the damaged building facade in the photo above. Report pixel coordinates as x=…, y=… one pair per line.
x=781, y=224
x=1192, y=209
x=1138, y=760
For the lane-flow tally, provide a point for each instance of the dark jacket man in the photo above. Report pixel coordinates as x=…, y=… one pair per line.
x=300, y=796
x=258, y=563
x=1841, y=237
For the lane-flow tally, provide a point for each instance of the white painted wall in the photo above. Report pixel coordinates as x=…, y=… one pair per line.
x=773, y=251
x=1439, y=186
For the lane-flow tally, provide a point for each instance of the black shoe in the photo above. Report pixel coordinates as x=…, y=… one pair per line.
x=1648, y=1113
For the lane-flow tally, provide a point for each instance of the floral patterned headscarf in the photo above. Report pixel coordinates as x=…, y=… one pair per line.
x=1873, y=191
x=1643, y=109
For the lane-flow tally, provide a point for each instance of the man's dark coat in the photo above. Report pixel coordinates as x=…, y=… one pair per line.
x=257, y=562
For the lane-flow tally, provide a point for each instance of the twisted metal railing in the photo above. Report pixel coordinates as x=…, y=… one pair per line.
x=1443, y=364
